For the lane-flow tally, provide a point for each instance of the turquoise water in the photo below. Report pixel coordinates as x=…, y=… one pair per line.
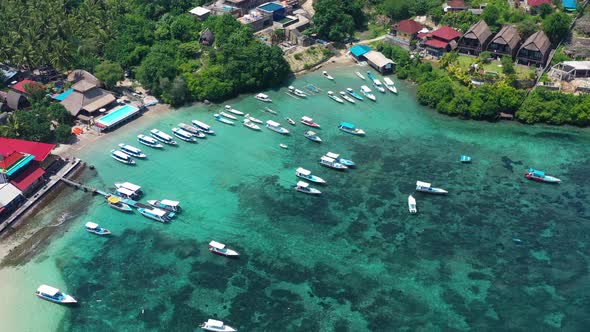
x=117, y=115
x=353, y=259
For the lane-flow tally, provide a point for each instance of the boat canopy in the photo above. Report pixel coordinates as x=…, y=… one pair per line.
x=113, y=200
x=200, y=124
x=120, y=154
x=302, y=184
x=411, y=200
x=262, y=95
x=377, y=82
x=332, y=155
x=91, y=224
x=387, y=80
x=169, y=202
x=328, y=159
x=365, y=88
x=128, y=185
x=125, y=191
x=214, y=323
x=423, y=184
x=536, y=172
x=347, y=125
x=157, y=212
x=146, y=138
x=131, y=148
x=311, y=133
x=303, y=171
x=272, y=123
x=306, y=118
x=217, y=245
x=48, y=290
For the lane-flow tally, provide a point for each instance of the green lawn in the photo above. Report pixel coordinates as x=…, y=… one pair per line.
x=521, y=72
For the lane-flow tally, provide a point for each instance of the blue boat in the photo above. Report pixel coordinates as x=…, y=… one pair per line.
x=465, y=159
x=54, y=295
x=371, y=76
x=354, y=94
x=351, y=129
x=337, y=158
x=313, y=88
x=95, y=229
x=540, y=176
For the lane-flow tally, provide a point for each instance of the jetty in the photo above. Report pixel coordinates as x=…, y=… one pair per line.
x=84, y=187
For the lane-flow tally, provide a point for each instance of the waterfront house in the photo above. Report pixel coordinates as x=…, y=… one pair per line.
x=476, y=39
x=10, y=200
x=256, y=20
x=207, y=37
x=200, y=13
x=379, y=62
x=454, y=6
x=535, y=50
x=407, y=29
x=358, y=51
x=441, y=40
x=569, y=5
x=85, y=99
x=506, y=42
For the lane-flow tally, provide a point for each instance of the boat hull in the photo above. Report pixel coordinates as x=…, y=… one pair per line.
x=124, y=208
x=69, y=300
x=433, y=191
x=312, y=124
x=546, y=179
x=228, y=253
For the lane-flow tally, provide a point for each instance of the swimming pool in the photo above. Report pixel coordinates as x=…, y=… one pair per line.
x=117, y=116
x=63, y=95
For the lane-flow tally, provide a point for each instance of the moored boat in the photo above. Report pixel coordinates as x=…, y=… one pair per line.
x=313, y=88
x=162, y=137
x=370, y=75
x=53, y=294
x=115, y=203
x=155, y=214
x=229, y=116
x=309, y=122
x=297, y=92
x=220, y=249
x=283, y=146
x=358, y=73
x=93, y=228
x=304, y=187
x=184, y=135
x=122, y=157
x=334, y=97
x=412, y=204
x=328, y=76
x=389, y=84
x=249, y=124
x=196, y=132
x=276, y=127
x=216, y=326
x=223, y=120
x=165, y=204
x=149, y=141
x=132, y=151
x=540, y=176
x=379, y=86
x=332, y=163
x=263, y=97
x=128, y=190
x=269, y=110
x=425, y=187
x=346, y=97
x=253, y=119
x=291, y=122
x=354, y=94
x=312, y=135
x=351, y=129
x=306, y=174
x=368, y=93
x=465, y=159
x=203, y=127
x=346, y=162
x=233, y=110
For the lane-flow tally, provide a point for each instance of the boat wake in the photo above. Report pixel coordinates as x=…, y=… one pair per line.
x=62, y=219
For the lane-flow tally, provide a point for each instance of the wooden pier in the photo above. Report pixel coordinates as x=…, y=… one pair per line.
x=84, y=187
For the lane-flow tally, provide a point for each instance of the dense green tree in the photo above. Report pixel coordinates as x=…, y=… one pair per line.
x=507, y=65
x=174, y=92
x=544, y=9
x=109, y=73
x=491, y=15
x=158, y=64
x=461, y=20
x=332, y=20
x=557, y=26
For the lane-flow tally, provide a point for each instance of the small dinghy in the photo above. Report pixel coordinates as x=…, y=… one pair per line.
x=358, y=73
x=412, y=204
x=465, y=159
x=54, y=295
x=346, y=97
x=291, y=122
x=249, y=124
x=95, y=229
x=328, y=76
x=253, y=119
x=312, y=135
x=334, y=97
x=283, y=146
x=233, y=110
x=217, y=326
x=221, y=249
x=304, y=187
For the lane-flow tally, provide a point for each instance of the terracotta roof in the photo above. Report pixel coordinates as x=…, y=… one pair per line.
x=538, y=41
x=27, y=177
x=436, y=43
x=21, y=86
x=409, y=26
x=479, y=31
x=39, y=150
x=446, y=33
x=10, y=158
x=535, y=3
x=507, y=36
x=79, y=74
x=456, y=4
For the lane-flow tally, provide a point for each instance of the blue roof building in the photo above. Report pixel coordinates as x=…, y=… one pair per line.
x=277, y=10
x=359, y=50
x=569, y=5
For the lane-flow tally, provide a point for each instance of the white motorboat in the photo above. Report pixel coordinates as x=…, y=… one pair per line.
x=389, y=84
x=276, y=127
x=222, y=119
x=346, y=162
x=326, y=75
x=306, y=174
x=283, y=146
x=312, y=135
x=128, y=190
x=309, y=122
x=368, y=93
x=203, y=127
x=270, y=110
x=220, y=249
x=233, y=110
x=184, y=135
x=132, y=151
x=149, y=141
x=250, y=124
x=425, y=187
x=162, y=137
x=253, y=119
x=351, y=129
x=378, y=85
x=95, y=229
x=54, y=295
x=346, y=97
x=229, y=116
x=334, y=97
x=196, y=132
x=304, y=187
x=122, y=157
x=263, y=97
x=155, y=214
x=412, y=204
x=332, y=163
x=165, y=204
x=297, y=92
x=216, y=326
x=358, y=73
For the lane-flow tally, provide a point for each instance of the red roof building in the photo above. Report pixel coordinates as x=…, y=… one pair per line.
x=441, y=40
x=536, y=3
x=446, y=33
x=28, y=179
x=456, y=5
x=407, y=28
x=39, y=150
x=23, y=85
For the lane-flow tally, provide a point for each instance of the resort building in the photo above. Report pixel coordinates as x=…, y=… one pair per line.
x=535, y=50
x=200, y=13
x=570, y=70
x=375, y=59
x=441, y=40
x=207, y=37
x=407, y=29
x=454, y=6
x=506, y=42
x=85, y=99
x=256, y=20
x=358, y=51
x=10, y=199
x=275, y=9
x=294, y=29
x=476, y=39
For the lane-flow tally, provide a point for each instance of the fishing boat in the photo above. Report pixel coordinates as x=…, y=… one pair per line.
x=297, y=92
x=291, y=122
x=203, y=127
x=346, y=162
x=540, y=176
x=226, y=115
x=304, y=187
x=412, y=204
x=233, y=110
x=269, y=110
x=465, y=159
x=220, y=249
x=370, y=75
x=276, y=127
x=313, y=88
x=425, y=187
x=354, y=94
x=223, y=120
x=165, y=204
x=326, y=75
x=54, y=295
x=283, y=146
x=306, y=174
x=389, y=85
x=332, y=163
x=263, y=97
x=368, y=93
x=379, y=86
x=334, y=97
x=253, y=119
x=155, y=214
x=162, y=137
x=196, y=132
x=216, y=326
x=358, y=73
x=309, y=122
x=122, y=157
x=184, y=135
x=351, y=129
x=312, y=135
x=95, y=229
x=149, y=141
x=115, y=203
x=249, y=124
x=132, y=151
x=346, y=97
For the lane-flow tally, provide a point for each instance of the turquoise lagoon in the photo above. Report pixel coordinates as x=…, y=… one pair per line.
x=353, y=259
